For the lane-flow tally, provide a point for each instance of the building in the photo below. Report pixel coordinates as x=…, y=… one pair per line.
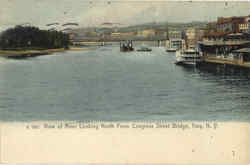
x=224, y=25
x=146, y=33
x=176, y=44
x=174, y=34
x=222, y=48
x=106, y=35
x=115, y=35
x=199, y=34
x=123, y=35
x=232, y=24
x=211, y=27
x=212, y=36
x=243, y=26
x=128, y=34
x=162, y=33
x=248, y=23
x=190, y=37
x=242, y=55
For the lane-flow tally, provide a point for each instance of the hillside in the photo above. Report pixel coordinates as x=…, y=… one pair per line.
x=163, y=25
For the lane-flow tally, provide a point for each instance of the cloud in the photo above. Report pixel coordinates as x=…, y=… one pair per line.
x=95, y=12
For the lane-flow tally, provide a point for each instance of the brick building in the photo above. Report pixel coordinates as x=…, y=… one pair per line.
x=232, y=24
x=248, y=23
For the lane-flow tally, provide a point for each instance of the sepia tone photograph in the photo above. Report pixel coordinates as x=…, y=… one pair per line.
x=79, y=76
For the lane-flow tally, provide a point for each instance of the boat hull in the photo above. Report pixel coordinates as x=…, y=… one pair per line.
x=187, y=59
x=124, y=49
x=144, y=50
x=186, y=62
x=171, y=50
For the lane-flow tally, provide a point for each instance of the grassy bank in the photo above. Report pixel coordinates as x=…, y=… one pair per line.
x=28, y=53
x=38, y=52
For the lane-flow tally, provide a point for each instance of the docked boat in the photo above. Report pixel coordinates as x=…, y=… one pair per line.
x=171, y=50
x=144, y=49
x=188, y=57
x=126, y=47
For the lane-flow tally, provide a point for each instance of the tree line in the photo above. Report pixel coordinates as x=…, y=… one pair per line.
x=29, y=37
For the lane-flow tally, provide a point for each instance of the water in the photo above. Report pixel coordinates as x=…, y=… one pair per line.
x=105, y=84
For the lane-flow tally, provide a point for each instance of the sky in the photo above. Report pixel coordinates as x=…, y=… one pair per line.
x=89, y=13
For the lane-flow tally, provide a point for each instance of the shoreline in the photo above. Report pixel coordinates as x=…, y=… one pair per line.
x=28, y=53
x=33, y=53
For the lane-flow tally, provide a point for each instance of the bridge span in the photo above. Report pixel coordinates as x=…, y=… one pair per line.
x=87, y=41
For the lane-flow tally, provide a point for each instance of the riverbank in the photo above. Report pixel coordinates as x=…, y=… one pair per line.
x=33, y=53
x=28, y=53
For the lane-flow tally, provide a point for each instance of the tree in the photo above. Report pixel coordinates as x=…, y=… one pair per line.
x=29, y=37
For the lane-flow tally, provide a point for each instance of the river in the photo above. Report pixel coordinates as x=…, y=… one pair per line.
x=108, y=85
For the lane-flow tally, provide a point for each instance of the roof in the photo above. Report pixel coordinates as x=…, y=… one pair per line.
x=220, y=43
x=243, y=50
x=222, y=20
x=215, y=34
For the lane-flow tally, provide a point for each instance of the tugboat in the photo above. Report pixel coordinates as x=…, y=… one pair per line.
x=188, y=57
x=126, y=47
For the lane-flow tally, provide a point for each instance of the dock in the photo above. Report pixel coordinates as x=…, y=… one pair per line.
x=231, y=52
x=225, y=61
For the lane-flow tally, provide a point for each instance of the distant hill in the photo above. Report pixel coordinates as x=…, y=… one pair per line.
x=165, y=25
x=162, y=25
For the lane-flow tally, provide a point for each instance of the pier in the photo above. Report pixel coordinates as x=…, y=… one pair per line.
x=234, y=53
x=226, y=62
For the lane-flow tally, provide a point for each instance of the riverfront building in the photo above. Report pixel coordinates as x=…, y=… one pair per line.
x=146, y=33
x=228, y=43
x=192, y=36
x=115, y=35
x=232, y=49
x=248, y=23
x=178, y=44
x=233, y=24
x=242, y=55
x=149, y=33
x=175, y=34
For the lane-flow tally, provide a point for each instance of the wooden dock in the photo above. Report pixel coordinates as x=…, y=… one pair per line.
x=226, y=62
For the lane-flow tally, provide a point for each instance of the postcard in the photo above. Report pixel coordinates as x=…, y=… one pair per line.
x=124, y=82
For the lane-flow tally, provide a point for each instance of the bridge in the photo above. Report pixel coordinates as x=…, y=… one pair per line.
x=103, y=40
